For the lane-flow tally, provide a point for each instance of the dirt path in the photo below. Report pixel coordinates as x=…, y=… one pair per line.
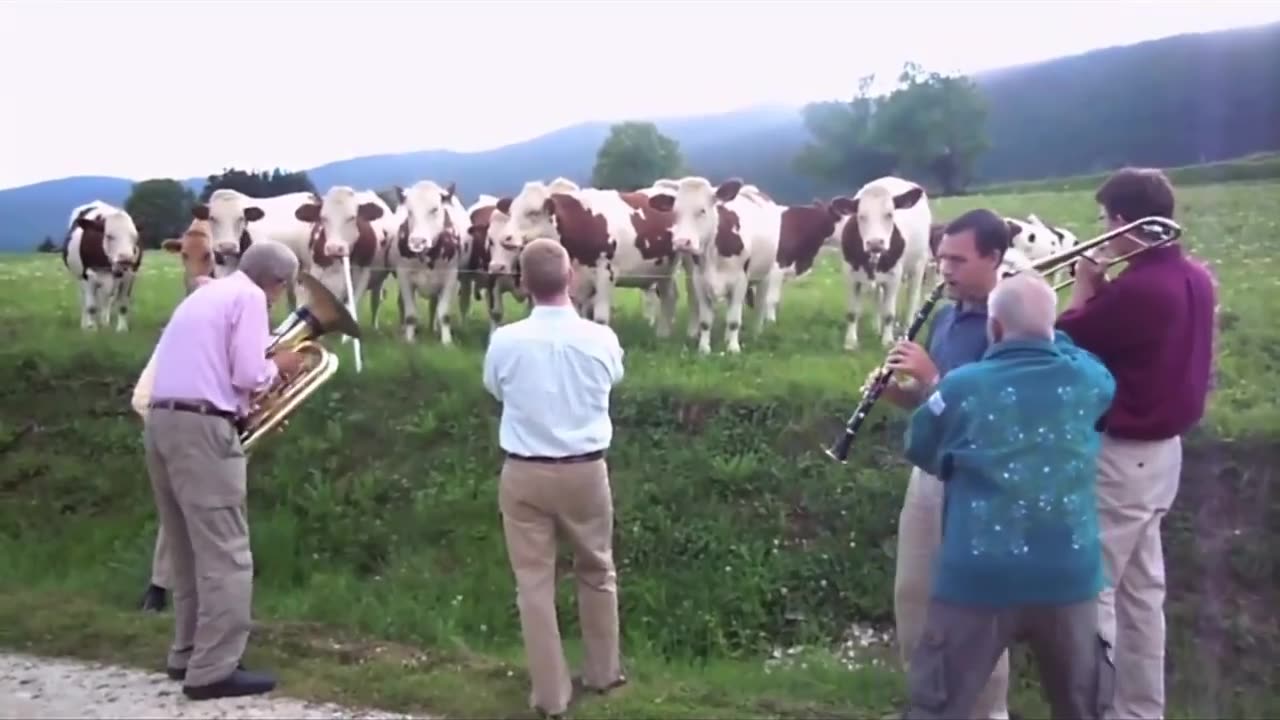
x=34, y=687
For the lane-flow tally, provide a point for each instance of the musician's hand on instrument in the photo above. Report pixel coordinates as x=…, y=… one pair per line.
x=1090, y=272
x=911, y=360
x=288, y=361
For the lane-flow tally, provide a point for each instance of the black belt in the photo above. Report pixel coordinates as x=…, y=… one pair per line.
x=563, y=460
x=199, y=407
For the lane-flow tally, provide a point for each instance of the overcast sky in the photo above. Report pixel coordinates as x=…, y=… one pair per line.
x=183, y=88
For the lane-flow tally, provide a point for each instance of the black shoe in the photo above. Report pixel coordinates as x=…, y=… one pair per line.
x=154, y=599
x=181, y=673
x=238, y=684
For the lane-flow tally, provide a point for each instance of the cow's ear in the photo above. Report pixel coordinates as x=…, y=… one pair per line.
x=664, y=202
x=308, y=213
x=845, y=205
x=173, y=245
x=1014, y=228
x=253, y=214
x=908, y=199
x=504, y=206
x=729, y=189
x=87, y=224
x=369, y=212
x=200, y=211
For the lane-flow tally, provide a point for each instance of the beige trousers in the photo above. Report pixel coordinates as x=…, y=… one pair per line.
x=919, y=538
x=1137, y=483
x=197, y=470
x=540, y=501
x=161, y=569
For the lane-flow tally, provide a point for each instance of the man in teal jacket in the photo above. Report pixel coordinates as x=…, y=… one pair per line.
x=1014, y=437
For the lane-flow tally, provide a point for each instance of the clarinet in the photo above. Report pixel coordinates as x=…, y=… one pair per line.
x=840, y=451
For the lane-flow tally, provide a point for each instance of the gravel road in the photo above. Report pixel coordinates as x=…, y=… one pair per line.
x=35, y=687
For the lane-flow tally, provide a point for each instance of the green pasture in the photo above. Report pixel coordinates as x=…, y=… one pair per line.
x=755, y=574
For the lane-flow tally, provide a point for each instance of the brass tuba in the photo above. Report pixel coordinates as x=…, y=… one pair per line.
x=321, y=314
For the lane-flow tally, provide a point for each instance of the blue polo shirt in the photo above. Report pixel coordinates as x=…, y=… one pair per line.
x=1013, y=437
x=958, y=336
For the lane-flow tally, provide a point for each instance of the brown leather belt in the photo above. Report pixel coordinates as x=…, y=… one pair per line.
x=564, y=460
x=199, y=407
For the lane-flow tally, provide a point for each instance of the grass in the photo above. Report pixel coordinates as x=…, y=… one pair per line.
x=382, y=577
x=1264, y=166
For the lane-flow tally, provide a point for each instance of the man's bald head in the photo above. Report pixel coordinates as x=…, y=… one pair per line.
x=1022, y=307
x=545, y=271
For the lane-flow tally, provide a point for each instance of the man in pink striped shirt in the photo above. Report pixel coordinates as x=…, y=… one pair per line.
x=209, y=364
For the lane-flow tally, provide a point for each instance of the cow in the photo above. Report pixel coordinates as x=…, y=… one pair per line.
x=429, y=250
x=884, y=236
x=614, y=239
x=732, y=239
x=486, y=232
x=238, y=220
x=102, y=251
x=1037, y=240
x=347, y=224
x=195, y=249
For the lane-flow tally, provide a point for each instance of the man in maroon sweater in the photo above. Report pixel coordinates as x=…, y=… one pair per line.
x=1153, y=327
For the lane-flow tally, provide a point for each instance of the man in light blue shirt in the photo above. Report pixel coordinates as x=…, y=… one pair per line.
x=553, y=373
x=1014, y=439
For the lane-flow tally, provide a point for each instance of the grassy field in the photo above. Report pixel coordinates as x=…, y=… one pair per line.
x=756, y=575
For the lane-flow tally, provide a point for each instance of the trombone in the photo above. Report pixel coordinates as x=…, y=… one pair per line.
x=1157, y=232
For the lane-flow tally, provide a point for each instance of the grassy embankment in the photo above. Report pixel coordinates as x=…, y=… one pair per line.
x=382, y=575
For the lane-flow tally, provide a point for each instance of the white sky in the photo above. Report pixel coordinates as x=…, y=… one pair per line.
x=183, y=88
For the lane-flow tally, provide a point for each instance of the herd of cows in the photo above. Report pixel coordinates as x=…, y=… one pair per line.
x=733, y=242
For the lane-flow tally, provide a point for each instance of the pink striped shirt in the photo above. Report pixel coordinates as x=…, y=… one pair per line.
x=214, y=346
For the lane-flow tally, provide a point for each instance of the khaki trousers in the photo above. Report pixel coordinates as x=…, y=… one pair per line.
x=161, y=569
x=1137, y=483
x=919, y=539
x=539, y=502
x=197, y=470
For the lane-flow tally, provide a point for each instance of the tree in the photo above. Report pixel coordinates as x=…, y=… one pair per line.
x=161, y=207
x=389, y=197
x=257, y=184
x=934, y=125
x=635, y=155
x=47, y=245
x=930, y=127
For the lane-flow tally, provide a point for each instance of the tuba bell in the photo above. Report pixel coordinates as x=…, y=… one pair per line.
x=321, y=314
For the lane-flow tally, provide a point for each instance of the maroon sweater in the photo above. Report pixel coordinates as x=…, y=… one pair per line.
x=1153, y=327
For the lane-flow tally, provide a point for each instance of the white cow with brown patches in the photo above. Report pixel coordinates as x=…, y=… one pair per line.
x=884, y=234
x=732, y=240
x=613, y=239
x=103, y=253
x=352, y=224
x=430, y=248
x=238, y=220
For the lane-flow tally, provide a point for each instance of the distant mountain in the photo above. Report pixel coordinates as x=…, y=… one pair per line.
x=1174, y=101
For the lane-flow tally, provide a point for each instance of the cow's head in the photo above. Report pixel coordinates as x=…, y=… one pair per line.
x=694, y=204
x=1031, y=238
x=504, y=249
x=563, y=185
x=532, y=213
x=1066, y=238
x=425, y=214
x=874, y=211
x=196, y=251
x=342, y=217
x=120, y=242
x=229, y=214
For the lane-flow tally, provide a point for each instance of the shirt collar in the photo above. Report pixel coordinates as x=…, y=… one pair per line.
x=1033, y=345
x=553, y=311
x=967, y=308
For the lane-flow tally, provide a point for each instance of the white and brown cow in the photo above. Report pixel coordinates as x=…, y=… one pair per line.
x=238, y=220
x=614, y=239
x=195, y=249
x=430, y=248
x=488, y=224
x=884, y=237
x=732, y=238
x=347, y=224
x=103, y=253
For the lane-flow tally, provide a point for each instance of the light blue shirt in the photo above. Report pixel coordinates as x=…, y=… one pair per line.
x=553, y=372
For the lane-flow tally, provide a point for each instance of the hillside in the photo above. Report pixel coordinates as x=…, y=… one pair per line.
x=1175, y=101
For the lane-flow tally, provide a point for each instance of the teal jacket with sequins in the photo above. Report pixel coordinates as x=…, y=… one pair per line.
x=1014, y=437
